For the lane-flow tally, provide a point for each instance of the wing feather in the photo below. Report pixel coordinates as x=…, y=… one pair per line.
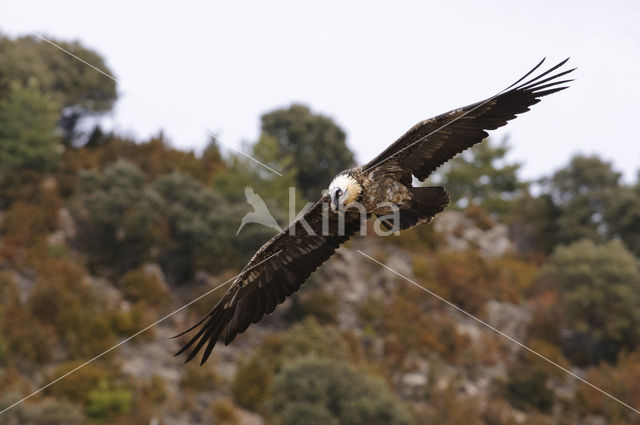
x=277, y=270
x=432, y=142
x=283, y=264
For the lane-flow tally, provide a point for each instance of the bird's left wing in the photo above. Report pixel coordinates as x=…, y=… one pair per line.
x=432, y=142
x=277, y=270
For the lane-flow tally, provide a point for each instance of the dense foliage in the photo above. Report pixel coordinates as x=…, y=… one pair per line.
x=78, y=91
x=315, y=142
x=316, y=391
x=482, y=176
x=27, y=124
x=599, y=293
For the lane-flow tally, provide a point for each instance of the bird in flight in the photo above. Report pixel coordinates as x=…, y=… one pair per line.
x=285, y=262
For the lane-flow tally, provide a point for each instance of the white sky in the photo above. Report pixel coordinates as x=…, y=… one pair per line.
x=376, y=68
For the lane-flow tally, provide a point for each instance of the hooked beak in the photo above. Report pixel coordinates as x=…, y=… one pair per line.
x=335, y=203
x=336, y=195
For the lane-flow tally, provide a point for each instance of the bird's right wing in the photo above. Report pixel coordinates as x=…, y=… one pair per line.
x=277, y=269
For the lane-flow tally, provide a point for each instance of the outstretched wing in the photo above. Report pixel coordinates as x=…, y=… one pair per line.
x=277, y=270
x=432, y=142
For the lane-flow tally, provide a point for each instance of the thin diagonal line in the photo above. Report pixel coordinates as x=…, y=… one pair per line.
x=605, y=33
x=134, y=335
x=575, y=50
x=437, y=129
x=499, y=332
x=139, y=93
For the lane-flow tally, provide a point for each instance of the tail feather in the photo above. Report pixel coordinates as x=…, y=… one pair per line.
x=430, y=200
x=427, y=202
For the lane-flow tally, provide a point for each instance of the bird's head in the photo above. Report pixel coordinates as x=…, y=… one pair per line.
x=343, y=190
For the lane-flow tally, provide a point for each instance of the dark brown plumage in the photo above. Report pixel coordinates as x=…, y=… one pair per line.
x=291, y=258
x=283, y=264
x=432, y=142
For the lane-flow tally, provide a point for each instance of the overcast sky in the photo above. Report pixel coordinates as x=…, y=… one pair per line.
x=376, y=68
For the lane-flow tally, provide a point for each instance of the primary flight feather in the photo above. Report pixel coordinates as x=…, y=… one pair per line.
x=285, y=262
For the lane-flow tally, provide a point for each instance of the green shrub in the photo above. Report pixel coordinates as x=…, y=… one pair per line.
x=225, y=412
x=598, y=287
x=251, y=383
x=130, y=321
x=77, y=386
x=104, y=403
x=142, y=285
x=527, y=386
x=62, y=299
x=329, y=391
x=27, y=128
x=314, y=302
x=308, y=414
x=117, y=216
x=253, y=379
x=33, y=343
x=307, y=338
x=200, y=378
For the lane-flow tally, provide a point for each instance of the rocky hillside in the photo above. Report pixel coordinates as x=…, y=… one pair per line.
x=432, y=356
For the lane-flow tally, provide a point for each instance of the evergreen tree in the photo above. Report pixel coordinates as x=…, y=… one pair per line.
x=482, y=176
x=622, y=215
x=599, y=287
x=78, y=90
x=314, y=141
x=583, y=191
x=320, y=391
x=27, y=129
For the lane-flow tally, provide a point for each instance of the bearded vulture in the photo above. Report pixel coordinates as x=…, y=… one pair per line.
x=283, y=264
